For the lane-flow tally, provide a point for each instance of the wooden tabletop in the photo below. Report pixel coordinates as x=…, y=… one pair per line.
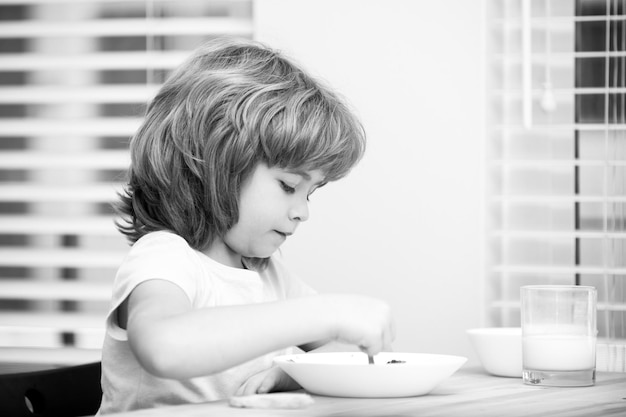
x=470, y=392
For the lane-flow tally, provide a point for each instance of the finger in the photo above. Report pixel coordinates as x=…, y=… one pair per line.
x=372, y=349
x=266, y=384
x=264, y=388
x=387, y=345
x=388, y=338
x=241, y=389
x=249, y=387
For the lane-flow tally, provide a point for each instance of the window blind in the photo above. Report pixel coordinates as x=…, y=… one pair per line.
x=557, y=157
x=75, y=76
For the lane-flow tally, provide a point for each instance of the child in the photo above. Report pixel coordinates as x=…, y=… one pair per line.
x=230, y=151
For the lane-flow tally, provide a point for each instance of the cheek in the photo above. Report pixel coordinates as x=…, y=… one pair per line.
x=253, y=215
x=254, y=198
x=259, y=204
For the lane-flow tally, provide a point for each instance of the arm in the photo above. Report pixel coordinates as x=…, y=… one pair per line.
x=172, y=340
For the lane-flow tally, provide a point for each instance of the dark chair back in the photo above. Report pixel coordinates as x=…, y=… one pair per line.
x=70, y=391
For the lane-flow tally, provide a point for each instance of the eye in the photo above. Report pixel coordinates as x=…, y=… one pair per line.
x=287, y=188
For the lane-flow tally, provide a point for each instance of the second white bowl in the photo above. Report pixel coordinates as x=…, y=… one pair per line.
x=499, y=349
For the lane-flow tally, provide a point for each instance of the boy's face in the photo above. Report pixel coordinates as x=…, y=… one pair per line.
x=272, y=203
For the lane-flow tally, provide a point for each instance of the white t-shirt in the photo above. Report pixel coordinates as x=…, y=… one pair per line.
x=163, y=255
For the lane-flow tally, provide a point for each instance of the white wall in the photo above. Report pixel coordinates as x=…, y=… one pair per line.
x=407, y=224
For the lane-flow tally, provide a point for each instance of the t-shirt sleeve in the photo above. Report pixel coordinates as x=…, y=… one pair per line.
x=158, y=255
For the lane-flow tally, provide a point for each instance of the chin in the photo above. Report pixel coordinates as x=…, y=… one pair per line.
x=269, y=252
x=261, y=253
x=264, y=255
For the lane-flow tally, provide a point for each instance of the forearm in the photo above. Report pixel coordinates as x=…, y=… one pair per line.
x=206, y=341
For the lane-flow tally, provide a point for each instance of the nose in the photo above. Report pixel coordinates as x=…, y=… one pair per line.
x=299, y=211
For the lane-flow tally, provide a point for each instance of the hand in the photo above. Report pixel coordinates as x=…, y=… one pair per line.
x=362, y=321
x=269, y=380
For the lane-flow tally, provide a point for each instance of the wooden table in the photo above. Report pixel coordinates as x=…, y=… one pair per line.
x=470, y=392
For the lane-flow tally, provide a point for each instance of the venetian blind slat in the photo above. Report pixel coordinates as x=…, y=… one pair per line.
x=60, y=321
x=213, y=26
x=47, y=127
x=566, y=270
x=21, y=289
x=61, y=258
x=601, y=306
x=85, y=94
x=556, y=234
x=94, y=225
x=541, y=200
x=33, y=192
x=56, y=355
x=123, y=60
x=93, y=159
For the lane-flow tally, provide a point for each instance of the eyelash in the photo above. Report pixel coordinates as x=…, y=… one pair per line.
x=287, y=188
x=290, y=190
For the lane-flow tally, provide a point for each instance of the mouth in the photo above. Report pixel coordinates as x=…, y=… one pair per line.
x=284, y=234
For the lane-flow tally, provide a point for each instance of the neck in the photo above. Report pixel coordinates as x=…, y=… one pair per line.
x=221, y=253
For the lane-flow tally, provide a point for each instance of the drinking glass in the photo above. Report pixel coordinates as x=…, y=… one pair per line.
x=559, y=335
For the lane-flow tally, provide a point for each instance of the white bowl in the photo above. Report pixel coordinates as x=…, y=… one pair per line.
x=499, y=349
x=348, y=374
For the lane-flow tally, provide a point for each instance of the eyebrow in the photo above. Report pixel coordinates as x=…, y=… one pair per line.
x=299, y=172
x=303, y=174
x=307, y=177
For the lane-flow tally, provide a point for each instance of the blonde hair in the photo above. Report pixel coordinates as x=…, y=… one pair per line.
x=233, y=104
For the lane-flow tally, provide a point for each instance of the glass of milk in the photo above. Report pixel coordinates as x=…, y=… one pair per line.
x=559, y=335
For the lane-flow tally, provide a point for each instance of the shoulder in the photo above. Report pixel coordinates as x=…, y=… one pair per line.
x=160, y=247
x=160, y=240
x=159, y=255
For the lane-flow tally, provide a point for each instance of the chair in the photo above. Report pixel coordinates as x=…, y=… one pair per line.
x=70, y=391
